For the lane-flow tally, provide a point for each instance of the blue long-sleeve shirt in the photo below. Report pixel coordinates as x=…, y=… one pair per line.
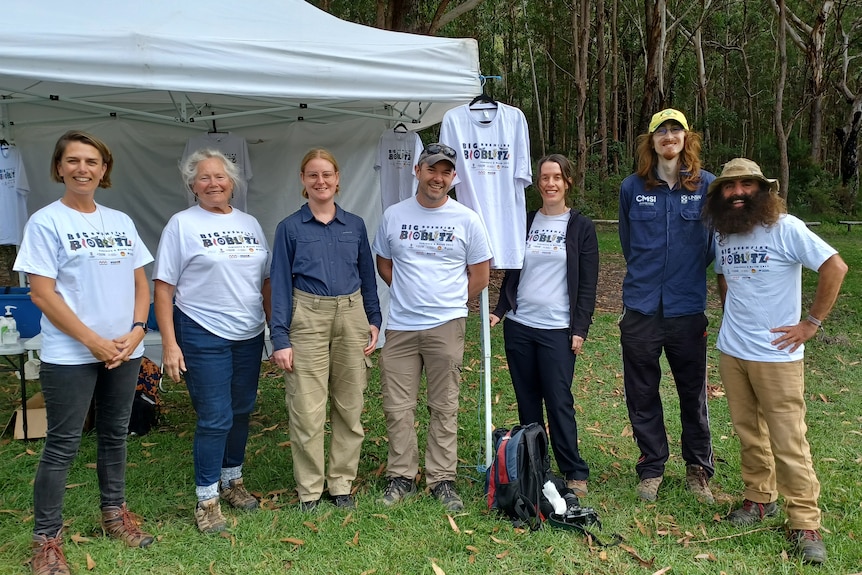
x=666, y=245
x=322, y=259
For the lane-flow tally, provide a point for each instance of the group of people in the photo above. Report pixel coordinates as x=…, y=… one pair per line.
x=218, y=284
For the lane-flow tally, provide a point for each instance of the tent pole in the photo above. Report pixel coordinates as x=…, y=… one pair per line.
x=486, y=370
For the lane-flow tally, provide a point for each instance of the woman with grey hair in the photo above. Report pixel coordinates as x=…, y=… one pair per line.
x=212, y=302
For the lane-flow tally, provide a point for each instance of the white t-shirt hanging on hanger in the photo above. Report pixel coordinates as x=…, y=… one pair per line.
x=492, y=170
x=13, y=196
x=236, y=150
x=397, y=153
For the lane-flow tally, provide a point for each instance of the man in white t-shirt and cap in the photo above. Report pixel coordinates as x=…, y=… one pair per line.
x=433, y=253
x=760, y=251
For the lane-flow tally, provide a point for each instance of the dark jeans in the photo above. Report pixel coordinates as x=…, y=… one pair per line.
x=222, y=382
x=68, y=391
x=684, y=342
x=542, y=364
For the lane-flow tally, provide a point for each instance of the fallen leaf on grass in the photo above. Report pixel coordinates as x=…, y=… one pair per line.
x=310, y=525
x=472, y=549
x=603, y=555
x=549, y=550
x=453, y=525
x=631, y=551
x=707, y=556
x=74, y=485
x=148, y=444
x=369, y=572
x=90, y=466
x=78, y=538
x=436, y=569
x=355, y=540
x=292, y=541
x=348, y=519
x=502, y=555
x=212, y=568
x=284, y=444
x=641, y=528
x=500, y=541
x=90, y=563
x=273, y=428
x=380, y=516
x=662, y=571
x=30, y=452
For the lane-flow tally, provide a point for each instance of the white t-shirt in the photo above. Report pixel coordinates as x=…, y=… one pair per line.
x=493, y=168
x=763, y=270
x=92, y=258
x=430, y=249
x=218, y=263
x=13, y=196
x=236, y=150
x=397, y=153
x=543, y=295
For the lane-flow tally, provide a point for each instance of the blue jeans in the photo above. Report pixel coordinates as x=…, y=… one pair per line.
x=68, y=391
x=222, y=379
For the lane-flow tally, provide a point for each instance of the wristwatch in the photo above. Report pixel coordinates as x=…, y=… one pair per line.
x=141, y=325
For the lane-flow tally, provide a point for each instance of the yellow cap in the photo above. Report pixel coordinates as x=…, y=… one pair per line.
x=660, y=118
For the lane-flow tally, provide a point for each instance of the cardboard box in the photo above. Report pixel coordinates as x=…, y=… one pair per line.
x=37, y=419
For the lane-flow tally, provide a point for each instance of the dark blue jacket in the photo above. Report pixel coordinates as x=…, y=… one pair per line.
x=666, y=245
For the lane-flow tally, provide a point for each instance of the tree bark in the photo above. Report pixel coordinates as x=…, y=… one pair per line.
x=784, y=171
x=602, y=71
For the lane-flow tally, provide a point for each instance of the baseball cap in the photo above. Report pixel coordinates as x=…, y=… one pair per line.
x=437, y=152
x=660, y=118
x=742, y=169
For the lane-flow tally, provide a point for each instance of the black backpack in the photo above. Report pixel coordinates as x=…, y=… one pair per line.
x=521, y=467
x=147, y=405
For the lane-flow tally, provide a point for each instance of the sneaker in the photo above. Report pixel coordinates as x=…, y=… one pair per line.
x=48, y=558
x=122, y=524
x=344, y=501
x=751, y=513
x=309, y=506
x=209, y=517
x=446, y=494
x=648, y=488
x=579, y=486
x=808, y=544
x=238, y=496
x=697, y=481
x=397, y=489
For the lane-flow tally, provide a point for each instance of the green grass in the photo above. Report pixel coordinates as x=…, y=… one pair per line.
x=416, y=536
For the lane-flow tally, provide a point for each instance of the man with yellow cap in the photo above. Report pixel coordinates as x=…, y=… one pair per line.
x=667, y=249
x=760, y=251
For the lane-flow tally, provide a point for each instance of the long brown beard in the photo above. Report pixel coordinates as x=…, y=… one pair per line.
x=763, y=208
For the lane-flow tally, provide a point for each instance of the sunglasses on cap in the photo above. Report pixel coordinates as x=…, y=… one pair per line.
x=441, y=149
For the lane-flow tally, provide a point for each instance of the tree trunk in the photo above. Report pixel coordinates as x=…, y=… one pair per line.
x=784, y=172
x=580, y=56
x=602, y=70
x=653, y=97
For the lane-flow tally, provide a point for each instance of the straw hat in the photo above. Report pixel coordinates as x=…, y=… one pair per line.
x=742, y=169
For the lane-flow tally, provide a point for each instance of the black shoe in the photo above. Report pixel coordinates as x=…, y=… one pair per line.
x=751, y=513
x=808, y=544
x=344, y=501
x=397, y=489
x=446, y=494
x=308, y=506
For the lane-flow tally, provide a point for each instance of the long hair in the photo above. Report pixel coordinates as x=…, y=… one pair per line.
x=84, y=138
x=323, y=154
x=689, y=159
x=189, y=168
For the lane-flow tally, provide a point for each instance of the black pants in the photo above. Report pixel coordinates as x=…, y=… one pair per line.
x=683, y=340
x=541, y=363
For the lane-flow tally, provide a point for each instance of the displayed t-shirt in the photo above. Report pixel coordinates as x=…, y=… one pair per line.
x=93, y=258
x=218, y=263
x=236, y=150
x=430, y=249
x=492, y=170
x=543, y=295
x=763, y=270
x=397, y=153
x=13, y=196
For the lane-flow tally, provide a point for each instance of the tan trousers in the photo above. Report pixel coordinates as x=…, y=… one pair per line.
x=767, y=408
x=328, y=335
x=440, y=351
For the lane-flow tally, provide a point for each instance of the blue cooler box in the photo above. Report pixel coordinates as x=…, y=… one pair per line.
x=27, y=315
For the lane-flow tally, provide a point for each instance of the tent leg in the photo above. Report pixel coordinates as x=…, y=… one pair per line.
x=486, y=370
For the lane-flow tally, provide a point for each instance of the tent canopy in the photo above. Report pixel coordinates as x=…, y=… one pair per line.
x=238, y=63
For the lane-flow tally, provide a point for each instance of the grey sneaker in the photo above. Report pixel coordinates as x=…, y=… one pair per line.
x=648, y=488
x=209, y=517
x=697, y=481
x=751, y=513
x=238, y=496
x=446, y=494
x=808, y=544
x=397, y=489
x=344, y=501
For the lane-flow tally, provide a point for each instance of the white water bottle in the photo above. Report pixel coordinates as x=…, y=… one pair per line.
x=8, y=327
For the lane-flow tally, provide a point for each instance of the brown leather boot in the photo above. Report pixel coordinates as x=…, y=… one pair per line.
x=122, y=524
x=48, y=558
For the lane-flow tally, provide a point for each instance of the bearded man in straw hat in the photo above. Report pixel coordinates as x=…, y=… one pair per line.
x=760, y=251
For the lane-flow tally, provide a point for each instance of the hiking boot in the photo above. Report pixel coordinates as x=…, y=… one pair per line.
x=397, y=489
x=446, y=494
x=122, y=524
x=648, y=488
x=344, y=501
x=697, y=481
x=48, y=558
x=209, y=517
x=238, y=496
x=808, y=544
x=579, y=486
x=309, y=506
x=752, y=512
